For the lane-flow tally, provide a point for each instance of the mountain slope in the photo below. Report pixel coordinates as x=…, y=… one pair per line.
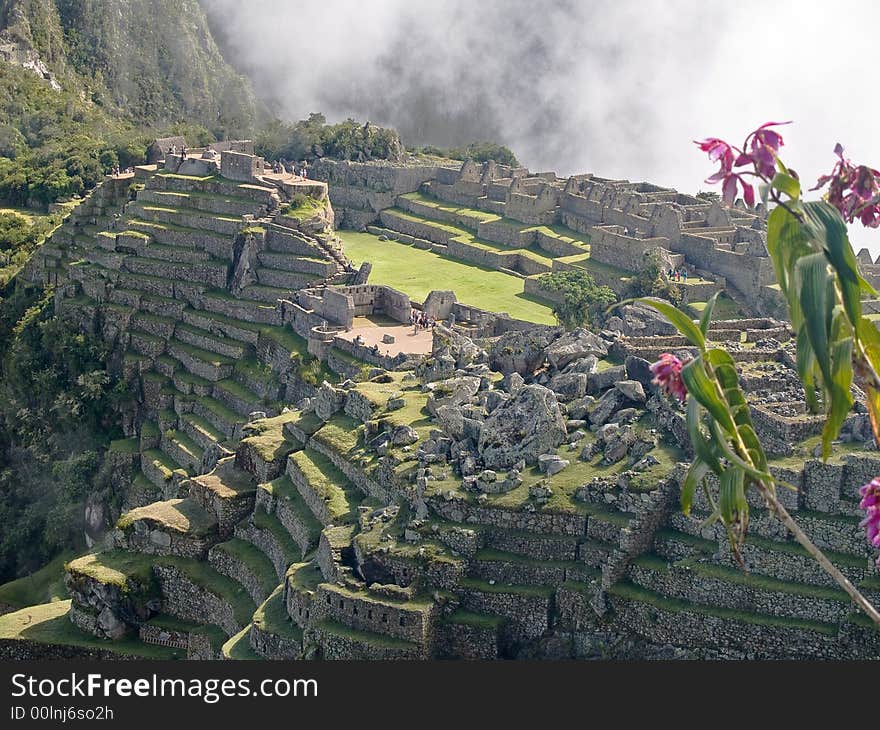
x=151, y=61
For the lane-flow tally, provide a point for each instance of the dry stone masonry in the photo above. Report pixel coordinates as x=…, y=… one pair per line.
x=513, y=494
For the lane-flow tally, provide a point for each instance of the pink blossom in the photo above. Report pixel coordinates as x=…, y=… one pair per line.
x=763, y=145
x=667, y=375
x=854, y=190
x=870, y=494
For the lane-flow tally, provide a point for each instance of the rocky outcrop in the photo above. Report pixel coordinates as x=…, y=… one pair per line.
x=524, y=427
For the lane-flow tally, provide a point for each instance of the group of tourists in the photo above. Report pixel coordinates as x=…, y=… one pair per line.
x=117, y=171
x=677, y=274
x=420, y=320
x=172, y=150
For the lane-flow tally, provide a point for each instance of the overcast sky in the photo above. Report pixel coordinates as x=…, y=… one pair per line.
x=618, y=88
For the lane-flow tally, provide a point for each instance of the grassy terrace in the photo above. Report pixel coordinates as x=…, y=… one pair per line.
x=253, y=558
x=41, y=586
x=329, y=484
x=48, y=624
x=417, y=272
x=266, y=436
x=632, y=592
x=272, y=617
x=282, y=488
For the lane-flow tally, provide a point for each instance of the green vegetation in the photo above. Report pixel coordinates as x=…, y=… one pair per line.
x=477, y=151
x=583, y=300
x=417, y=272
x=58, y=412
x=20, y=232
x=312, y=138
x=272, y=617
x=653, y=281
x=42, y=586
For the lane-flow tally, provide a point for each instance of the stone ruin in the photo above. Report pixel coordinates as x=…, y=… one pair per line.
x=514, y=494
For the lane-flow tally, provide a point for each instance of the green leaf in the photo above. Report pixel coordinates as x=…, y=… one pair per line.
x=785, y=183
x=840, y=395
x=684, y=324
x=701, y=387
x=730, y=484
x=703, y=447
x=707, y=313
x=735, y=458
x=695, y=475
x=806, y=366
x=826, y=225
x=817, y=309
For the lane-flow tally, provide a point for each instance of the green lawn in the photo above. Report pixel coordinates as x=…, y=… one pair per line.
x=417, y=272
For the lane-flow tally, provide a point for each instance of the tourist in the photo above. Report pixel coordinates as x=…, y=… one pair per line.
x=684, y=275
x=183, y=153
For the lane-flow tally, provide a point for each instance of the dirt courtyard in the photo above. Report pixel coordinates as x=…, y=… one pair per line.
x=372, y=330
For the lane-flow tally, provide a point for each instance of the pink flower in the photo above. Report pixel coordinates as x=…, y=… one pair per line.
x=721, y=152
x=667, y=375
x=870, y=494
x=854, y=190
x=763, y=144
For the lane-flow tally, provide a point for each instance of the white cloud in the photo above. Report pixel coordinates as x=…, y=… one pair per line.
x=617, y=88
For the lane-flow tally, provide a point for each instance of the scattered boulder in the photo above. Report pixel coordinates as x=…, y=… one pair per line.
x=605, y=379
x=552, y=464
x=525, y=426
x=638, y=369
x=574, y=345
x=632, y=390
x=328, y=401
x=569, y=386
x=522, y=352
x=606, y=406
x=404, y=436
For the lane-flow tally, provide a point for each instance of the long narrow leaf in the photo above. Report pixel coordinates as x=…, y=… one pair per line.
x=701, y=387
x=684, y=324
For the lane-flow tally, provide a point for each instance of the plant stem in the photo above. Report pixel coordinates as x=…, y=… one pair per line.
x=783, y=516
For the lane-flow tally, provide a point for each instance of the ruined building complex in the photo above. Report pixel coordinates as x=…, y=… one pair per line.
x=289, y=491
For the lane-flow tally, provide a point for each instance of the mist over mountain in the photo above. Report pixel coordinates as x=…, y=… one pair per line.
x=616, y=88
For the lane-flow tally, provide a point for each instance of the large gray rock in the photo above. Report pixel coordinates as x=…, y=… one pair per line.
x=524, y=427
x=632, y=390
x=574, y=345
x=328, y=401
x=606, y=406
x=639, y=320
x=569, y=386
x=520, y=351
x=551, y=464
x=638, y=369
x=605, y=379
